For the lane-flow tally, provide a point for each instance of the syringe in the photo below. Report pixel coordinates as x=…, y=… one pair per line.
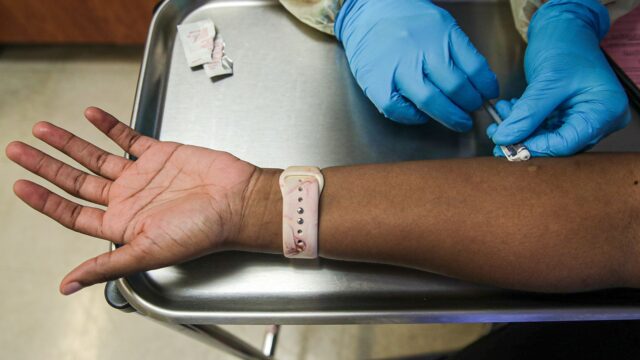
x=515, y=152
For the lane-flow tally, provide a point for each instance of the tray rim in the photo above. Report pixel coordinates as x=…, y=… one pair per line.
x=558, y=312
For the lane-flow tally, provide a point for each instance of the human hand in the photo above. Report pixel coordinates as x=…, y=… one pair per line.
x=414, y=62
x=174, y=203
x=573, y=98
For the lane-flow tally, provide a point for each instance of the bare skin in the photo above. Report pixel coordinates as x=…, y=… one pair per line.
x=174, y=203
x=575, y=227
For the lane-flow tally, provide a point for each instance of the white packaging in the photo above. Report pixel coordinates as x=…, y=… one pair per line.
x=220, y=63
x=197, y=41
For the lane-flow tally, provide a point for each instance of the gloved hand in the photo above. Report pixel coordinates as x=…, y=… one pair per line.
x=573, y=98
x=414, y=62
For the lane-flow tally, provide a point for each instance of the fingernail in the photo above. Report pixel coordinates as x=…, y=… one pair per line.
x=70, y=288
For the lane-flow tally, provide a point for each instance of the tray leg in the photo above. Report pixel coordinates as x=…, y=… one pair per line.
x=270, y=340
x=224, y=340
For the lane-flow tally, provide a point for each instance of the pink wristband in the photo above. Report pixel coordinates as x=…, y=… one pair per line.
x=301, y=187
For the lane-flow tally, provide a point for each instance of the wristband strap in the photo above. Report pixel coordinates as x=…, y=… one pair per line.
x=301, y=187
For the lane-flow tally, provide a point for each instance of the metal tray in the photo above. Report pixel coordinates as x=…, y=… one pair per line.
x=292, y=100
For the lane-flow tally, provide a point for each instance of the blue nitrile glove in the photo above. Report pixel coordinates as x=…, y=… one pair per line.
x=573, y=98
x=414, y=62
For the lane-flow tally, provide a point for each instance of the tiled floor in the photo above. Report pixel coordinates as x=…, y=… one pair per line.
x=56, y=84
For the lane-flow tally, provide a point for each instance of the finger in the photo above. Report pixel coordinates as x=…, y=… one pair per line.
x=83, y=219
x=123, y=261
x=491, y=129
x=108, y=266
x=473, y=64
x=539, y=100
x=403, y=111
x=497, y=151
x=75, y=182
x=89, y=155
x=447, y=77
x=391, y=103
x=504, y=108
x=129, y=140
x=582, y=126
x=430, y=100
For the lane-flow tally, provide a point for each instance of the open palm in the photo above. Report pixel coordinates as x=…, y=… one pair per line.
x=174, y=203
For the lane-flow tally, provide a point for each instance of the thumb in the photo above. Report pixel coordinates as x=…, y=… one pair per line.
x=107, y=266
x=538, y=101
x=503, y=107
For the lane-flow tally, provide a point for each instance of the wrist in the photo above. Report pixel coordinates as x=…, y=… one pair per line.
x=340, y=18
x=260, y=228
x=584, y=13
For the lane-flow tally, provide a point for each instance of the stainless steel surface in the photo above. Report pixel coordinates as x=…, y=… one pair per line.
x=292, y=101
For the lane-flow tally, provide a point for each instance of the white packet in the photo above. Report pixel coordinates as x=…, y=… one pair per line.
x=197, y=41
x=220, y=63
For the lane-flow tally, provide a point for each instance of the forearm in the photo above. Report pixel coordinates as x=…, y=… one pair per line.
x=547, y=225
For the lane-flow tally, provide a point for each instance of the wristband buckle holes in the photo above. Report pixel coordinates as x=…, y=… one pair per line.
x=299, y=199
x=300, y=188
x=299, y=232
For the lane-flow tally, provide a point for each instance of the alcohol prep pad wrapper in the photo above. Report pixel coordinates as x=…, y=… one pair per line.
x=197, y=41
x=220, y=63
